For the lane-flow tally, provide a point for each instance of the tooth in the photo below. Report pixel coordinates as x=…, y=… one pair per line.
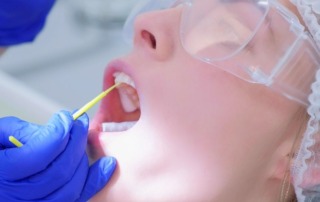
x=128, y=99
x=128, y=96
x=117, y=127
x=121, y=77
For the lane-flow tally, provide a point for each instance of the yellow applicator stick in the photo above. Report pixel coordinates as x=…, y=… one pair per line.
x=78, y=113
x=15, y=141
x=94, y=101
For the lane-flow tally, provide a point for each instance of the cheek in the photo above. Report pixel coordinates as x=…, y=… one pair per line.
x=192, y=93
x=178, y=87
x=227, y=121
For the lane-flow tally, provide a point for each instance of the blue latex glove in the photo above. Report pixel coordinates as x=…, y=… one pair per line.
x=22, y=20
x=52, y=164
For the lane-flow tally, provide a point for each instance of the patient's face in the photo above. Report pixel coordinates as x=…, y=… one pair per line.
x=201, y=133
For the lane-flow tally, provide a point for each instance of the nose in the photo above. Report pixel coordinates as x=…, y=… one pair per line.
x=157, y=32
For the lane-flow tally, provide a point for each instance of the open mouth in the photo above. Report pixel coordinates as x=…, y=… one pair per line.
x=118, y=111
x=129, y=102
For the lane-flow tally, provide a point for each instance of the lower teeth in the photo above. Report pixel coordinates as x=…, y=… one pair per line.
x=117, y=127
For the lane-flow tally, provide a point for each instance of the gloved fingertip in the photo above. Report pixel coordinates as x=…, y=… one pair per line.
x=60, y=123
x=84, y=118
x=110, y=161
x=61, y=115
x=79, y=133
x=65, y=116
x=109, y=165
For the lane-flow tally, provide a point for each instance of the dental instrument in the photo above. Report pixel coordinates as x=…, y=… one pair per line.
x=94, y=101
x=78, y=113
x=14, y=141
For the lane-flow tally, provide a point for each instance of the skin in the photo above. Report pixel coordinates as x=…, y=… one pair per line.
x=202, y=135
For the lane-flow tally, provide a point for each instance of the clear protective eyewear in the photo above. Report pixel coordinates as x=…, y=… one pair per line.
x=259, y=41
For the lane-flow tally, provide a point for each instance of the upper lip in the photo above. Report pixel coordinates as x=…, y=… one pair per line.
x=116, y=66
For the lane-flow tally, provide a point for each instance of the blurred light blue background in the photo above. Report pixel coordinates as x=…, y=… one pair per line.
x=63, y=68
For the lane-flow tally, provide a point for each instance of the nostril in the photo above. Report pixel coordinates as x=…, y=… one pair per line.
x=149, y=38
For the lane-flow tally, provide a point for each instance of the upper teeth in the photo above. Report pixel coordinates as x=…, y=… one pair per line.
x=127, y=92
x=121, y=77
x=129, y=100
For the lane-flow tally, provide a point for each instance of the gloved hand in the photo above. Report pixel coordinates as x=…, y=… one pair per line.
x=22, y=20
x=52, y=164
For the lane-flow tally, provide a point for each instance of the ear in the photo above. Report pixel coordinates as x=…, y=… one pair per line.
x=288, y=146
x=281, y=175
x=285, y=153
x=283, y=159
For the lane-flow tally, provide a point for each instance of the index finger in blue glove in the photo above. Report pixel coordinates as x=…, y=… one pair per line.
x=39, y=151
